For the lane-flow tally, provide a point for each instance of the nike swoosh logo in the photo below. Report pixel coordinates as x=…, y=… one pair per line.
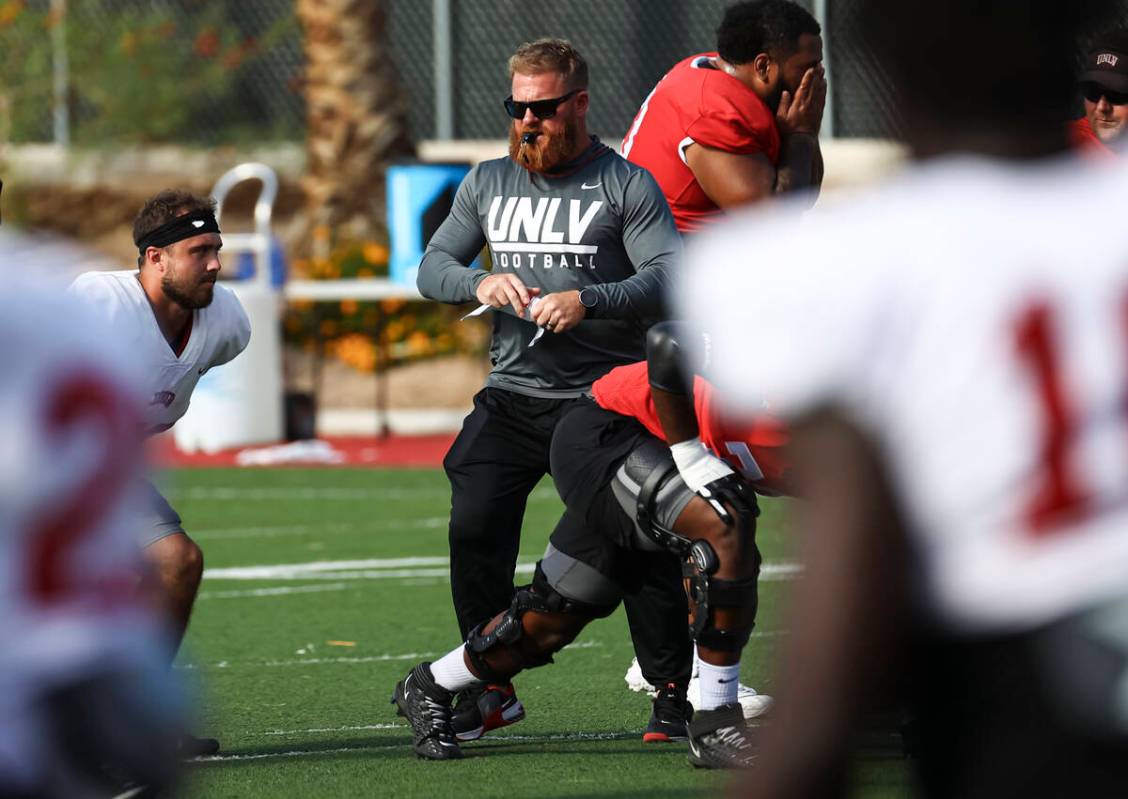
x=586, y=186
x=725, y=682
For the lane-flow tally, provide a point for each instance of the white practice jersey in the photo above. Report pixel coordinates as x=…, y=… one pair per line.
x=70, y=461
x=972, y=319
x=219, y=333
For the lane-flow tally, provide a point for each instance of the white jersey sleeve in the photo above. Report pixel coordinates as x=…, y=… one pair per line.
x=229, y=318
x=969, y=321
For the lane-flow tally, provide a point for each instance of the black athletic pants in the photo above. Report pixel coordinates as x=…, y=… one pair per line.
x=493, y=465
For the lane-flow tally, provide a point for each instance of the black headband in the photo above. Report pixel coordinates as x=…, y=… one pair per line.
x=183, y=227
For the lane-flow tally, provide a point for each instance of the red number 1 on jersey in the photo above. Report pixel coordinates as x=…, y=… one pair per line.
x=1058, y=496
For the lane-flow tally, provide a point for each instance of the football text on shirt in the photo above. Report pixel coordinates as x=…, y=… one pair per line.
x=524, y=234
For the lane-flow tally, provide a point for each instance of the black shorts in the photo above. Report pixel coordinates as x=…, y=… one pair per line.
x=597, y=553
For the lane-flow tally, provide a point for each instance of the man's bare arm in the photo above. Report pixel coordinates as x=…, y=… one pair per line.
x=843, y=613
x=800, y=164
x=731, y=179
x=671, y=383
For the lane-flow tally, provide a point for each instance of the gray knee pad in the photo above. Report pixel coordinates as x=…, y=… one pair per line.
x=652, y=493
x=579, y=582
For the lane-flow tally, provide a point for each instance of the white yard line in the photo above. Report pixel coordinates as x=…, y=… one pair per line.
x=290, y=570
x=402, y=568
x=352, y=661
x=301, y=493
x=228, y=533
x=285, y=590
x=348, y=661
x=347, y=728
x=319, y=493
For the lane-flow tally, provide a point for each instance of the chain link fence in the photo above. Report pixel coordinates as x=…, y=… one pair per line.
x=144, y=71
x=230, y=73
x=629, y=46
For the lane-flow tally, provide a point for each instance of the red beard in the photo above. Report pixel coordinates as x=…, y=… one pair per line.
x=546, y=151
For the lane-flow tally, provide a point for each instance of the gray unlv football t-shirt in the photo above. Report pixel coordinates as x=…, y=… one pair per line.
x=600, y=222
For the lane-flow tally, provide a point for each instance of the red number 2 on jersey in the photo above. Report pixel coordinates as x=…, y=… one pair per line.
x=82, y=401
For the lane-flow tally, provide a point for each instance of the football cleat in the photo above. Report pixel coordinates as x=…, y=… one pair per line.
x=486, y=708
x=669, y=716
x=427, y=707
x=752, y=703
x=719, y=738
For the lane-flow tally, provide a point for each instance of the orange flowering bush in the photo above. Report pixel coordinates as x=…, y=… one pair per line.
x=371, y=334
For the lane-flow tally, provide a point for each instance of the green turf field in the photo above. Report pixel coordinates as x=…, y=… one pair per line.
x=295, y=666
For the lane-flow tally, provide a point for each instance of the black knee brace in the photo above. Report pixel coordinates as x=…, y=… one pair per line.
x=709, y=593
x=538, y=596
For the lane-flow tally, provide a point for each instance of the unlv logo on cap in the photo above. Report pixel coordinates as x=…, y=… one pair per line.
x=1107, y=58
x=163, y=398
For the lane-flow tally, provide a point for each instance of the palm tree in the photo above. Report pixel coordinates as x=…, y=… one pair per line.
x=357, y=118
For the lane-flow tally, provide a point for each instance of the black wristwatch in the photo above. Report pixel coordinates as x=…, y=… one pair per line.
x=590, y=300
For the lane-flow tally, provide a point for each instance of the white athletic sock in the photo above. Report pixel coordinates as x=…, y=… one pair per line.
x=452, y=673
x=719, y=684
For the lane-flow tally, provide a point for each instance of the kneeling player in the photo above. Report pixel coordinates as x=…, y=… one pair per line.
x=631, y=500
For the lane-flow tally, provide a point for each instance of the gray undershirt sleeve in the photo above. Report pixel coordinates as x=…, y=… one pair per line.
x=444, y=272
x=653, y=244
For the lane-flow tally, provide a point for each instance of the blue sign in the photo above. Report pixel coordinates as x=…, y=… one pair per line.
x=420, y=197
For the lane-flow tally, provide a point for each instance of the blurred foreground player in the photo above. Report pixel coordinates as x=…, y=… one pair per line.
x=956, y=365
x=87, y=703
x=736, y=126
x=651, y=477
x=177, y=323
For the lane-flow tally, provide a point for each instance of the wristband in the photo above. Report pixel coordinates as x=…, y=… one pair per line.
x=697, y=465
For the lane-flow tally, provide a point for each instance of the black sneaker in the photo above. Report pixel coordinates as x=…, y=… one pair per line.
x=190, y=746
x=426, y=706
x=719, y=738
x=484, y=708
x=669, y=715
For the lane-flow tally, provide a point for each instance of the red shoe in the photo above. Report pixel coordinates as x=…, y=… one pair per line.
x=480, y=710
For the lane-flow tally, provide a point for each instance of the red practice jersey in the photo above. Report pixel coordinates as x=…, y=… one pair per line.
x=753, y=446
x=1082, y=137
x=695, y=103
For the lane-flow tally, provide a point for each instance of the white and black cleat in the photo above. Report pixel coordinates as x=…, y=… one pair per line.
x=719, y=738
x=427, y=707
x=754, y=703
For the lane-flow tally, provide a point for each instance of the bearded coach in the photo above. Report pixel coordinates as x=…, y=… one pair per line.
x=581, y=243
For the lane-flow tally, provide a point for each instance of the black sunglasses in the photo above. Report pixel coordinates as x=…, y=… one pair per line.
x=1094, y=92
x=542, y=109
